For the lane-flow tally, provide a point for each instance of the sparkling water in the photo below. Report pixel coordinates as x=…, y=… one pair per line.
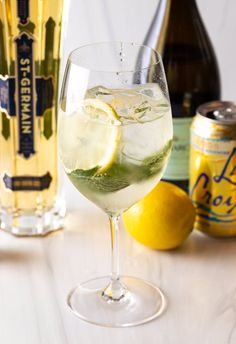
x=136, y=141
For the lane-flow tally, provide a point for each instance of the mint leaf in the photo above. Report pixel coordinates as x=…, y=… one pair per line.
x=119, y=176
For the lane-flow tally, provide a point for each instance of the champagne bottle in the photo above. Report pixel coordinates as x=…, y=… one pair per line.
x=30, y=33
x=178, y=34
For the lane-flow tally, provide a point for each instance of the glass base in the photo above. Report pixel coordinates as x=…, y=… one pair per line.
x=33, y=223
x=142, y=302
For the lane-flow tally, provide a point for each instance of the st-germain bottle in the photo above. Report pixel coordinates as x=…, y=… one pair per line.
x=177, y=32
x=30, y=33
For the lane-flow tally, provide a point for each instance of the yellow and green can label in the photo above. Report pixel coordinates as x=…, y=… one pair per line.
x=213, y=179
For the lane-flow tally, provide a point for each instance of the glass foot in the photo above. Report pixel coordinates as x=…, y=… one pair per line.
x=141, y=303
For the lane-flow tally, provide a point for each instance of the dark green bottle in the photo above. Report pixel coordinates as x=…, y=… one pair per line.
x=178, y=33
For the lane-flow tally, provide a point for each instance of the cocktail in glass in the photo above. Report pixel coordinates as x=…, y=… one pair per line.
x=115, y=135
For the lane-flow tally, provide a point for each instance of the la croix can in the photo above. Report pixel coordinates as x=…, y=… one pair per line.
x=213, y=168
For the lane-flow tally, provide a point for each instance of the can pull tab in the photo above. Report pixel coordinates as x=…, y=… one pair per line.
x=226, y=114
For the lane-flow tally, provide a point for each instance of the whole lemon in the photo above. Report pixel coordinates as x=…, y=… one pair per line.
x=163, y=219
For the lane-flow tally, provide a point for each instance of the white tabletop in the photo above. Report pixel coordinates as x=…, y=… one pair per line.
x=199, y=281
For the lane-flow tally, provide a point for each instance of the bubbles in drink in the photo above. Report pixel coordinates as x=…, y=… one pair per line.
x=119, y=143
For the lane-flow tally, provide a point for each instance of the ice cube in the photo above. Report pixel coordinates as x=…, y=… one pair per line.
x=151, y=90
x=124, y=102
x=100, y=92
x=154, y=105
x=141, y=103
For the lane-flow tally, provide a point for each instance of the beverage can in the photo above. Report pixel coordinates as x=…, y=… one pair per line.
x=213, y=168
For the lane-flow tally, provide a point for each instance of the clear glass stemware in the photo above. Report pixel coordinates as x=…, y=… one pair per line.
x=115, y=135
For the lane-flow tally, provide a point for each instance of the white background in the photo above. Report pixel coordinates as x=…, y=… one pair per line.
x=128, y=20
x=91, y=21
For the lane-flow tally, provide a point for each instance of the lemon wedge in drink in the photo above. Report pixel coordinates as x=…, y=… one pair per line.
x=91, y=136
x=106, y=134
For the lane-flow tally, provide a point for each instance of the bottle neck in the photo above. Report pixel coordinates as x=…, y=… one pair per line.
x=184, y=6
x=167, y=14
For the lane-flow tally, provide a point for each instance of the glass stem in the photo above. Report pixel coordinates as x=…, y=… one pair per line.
x=115, y=264
x=115, y=290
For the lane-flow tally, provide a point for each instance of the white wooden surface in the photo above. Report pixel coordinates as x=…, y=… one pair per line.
x=199, y=280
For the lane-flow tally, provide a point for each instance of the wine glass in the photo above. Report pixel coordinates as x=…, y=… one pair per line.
x=115, y=135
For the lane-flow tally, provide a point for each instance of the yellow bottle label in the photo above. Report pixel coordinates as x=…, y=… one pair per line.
x=29, y=68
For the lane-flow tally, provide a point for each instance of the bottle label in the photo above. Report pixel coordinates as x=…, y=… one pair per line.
x=23, y=11
x=44, y=94
x=7, y=93
x=25, y=96
x=27, y=183
x=178, y=165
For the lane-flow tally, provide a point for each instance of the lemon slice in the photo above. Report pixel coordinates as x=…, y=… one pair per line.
x=97, y=109
x=104, y=132
x=89, y=137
